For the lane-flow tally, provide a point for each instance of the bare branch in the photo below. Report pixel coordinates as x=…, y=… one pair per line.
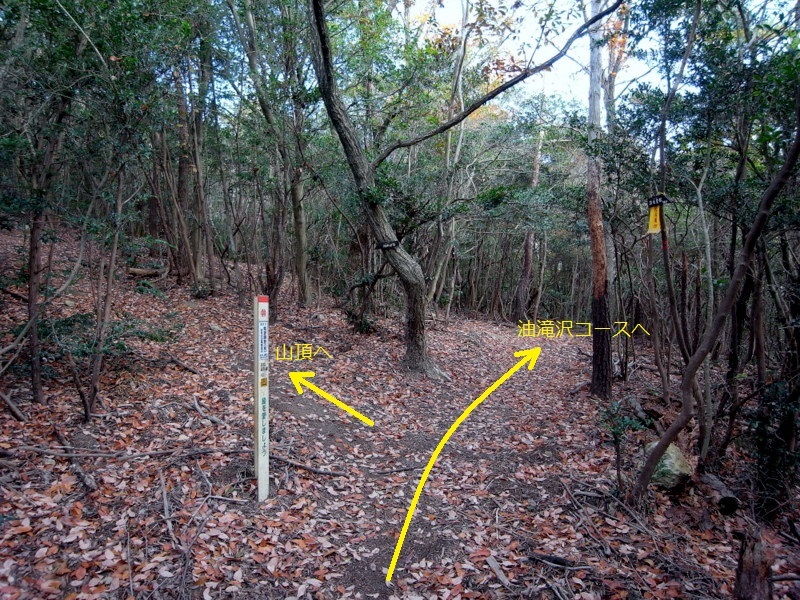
x=455, y=120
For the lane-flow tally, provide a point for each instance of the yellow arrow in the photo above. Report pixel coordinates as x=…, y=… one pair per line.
x=526, y=357
x=299, y=380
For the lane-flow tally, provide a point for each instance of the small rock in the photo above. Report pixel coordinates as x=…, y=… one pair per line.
x=673, y=470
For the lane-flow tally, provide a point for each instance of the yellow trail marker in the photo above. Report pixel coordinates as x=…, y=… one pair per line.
x=527, y=357
x=299, y=380
x=654, y=225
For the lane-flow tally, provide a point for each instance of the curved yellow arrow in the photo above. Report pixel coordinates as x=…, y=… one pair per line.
x=299, y=380
x=527, y=357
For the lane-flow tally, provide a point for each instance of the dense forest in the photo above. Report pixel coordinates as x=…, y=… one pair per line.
x=364, y=160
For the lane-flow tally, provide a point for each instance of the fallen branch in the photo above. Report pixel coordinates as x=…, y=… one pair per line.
x=129, y=558
x=726, y=500
x=227, y=499
x=150, y=454
x=19, y=297
x=13, y=408
x=189, y=453
x=646, y=420
x=599, y=492
x=591, y=528
x=141, y=272
x=187, y=549
x=578, y=388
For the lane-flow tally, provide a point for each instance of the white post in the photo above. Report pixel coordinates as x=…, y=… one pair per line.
x=261, y=393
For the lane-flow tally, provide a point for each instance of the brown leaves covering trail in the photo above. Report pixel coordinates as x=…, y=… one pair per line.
x=520, y=504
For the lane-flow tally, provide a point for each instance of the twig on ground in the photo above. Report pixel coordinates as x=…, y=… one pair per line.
x=227, y=499
x=307, y=467
x=130, y=560
x=167, y=516
x=187, y=550
x=557, y=591
x=559, y=562
x=495, y=566
x=126, y=456
x=182, y=364
x=642, y=527
x=398, y=470
x=19, y=297
x=205, y=479
x=588, y=520
x=211, y=418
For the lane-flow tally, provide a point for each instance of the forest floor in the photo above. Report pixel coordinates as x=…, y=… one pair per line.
x=155, y=497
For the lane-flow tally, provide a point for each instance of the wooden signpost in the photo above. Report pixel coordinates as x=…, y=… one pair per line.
x=261, y=393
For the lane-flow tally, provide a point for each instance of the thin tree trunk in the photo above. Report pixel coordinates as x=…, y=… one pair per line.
x=651, y=303
x=103, y=311
x=519, y=310
x=540, y=288
x=186, y=265
x=300, y=237
x=601, y=323
x=34, y=288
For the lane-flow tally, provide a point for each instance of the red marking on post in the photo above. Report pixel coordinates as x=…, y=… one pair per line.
x=263, y=298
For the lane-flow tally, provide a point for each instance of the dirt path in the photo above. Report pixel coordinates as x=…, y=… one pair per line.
x=528, y=475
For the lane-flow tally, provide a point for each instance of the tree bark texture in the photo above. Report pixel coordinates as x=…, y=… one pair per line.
x=601, y=325
x=300, y=237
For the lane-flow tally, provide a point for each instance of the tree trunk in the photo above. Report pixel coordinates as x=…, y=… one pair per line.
x=540, y=288
x=300, y=237
x=103, y=306
x=601, y=323
x=34, y=288
x=519, y=310
x=186, y=264
x=407, y=269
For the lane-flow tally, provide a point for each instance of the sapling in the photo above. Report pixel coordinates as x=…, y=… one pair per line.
x=618, y=424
